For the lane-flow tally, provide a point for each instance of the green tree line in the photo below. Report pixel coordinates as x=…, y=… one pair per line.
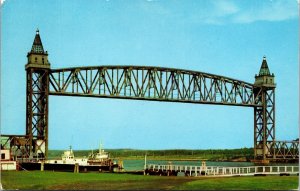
x=210, y=154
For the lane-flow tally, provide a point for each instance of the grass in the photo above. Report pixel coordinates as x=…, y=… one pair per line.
x=37, y=180
x=244, y=183
x=32, y=180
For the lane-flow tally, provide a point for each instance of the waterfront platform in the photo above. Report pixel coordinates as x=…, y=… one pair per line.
x=65, y=167
x=173, y=170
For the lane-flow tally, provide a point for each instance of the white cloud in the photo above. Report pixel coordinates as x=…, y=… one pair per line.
x=224, y=8
x=224, y=12
x=154, y=7
x=218, y=12
x=271, y=11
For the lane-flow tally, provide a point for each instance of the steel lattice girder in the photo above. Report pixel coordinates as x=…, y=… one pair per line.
x=264, y=123
x=156, y=84
x=151, y=83
x=284, y=149
x=37, y=111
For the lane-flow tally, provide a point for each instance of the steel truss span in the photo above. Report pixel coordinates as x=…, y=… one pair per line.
x=146, y=83
x=151, y=83
x=177, y=85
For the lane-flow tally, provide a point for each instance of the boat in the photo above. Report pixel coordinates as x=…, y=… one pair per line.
x=99, y=161
x=68, y=157
x=100, y=158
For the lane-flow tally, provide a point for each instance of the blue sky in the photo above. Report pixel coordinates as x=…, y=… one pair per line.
x=227, y=38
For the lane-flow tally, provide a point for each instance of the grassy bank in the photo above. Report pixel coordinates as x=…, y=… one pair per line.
x=244, y=154
x=32, y=180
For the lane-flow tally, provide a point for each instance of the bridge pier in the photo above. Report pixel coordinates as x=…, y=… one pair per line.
x=37, y=93
x=264, y=114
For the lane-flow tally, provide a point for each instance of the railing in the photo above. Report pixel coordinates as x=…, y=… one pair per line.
x=225, y=171
x=252, y=170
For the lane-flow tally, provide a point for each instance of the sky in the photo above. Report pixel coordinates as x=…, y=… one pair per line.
x=221, y=37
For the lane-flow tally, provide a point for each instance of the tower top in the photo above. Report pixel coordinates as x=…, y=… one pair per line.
x=37, y=57
x=264, y=77
x=37, y=46
x=264, y=69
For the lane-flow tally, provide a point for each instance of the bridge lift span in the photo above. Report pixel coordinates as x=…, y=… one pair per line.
x=145, y=83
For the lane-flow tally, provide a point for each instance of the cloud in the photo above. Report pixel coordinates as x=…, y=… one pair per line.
x=224, y=8
x=213, y=12
x=154, y=7
x=223, y=12
x=271, y=11
x=219, y=12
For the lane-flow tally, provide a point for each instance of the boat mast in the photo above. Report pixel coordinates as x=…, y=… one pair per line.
x=100, y=148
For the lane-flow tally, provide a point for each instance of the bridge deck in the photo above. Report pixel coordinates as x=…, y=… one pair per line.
x=223, y=171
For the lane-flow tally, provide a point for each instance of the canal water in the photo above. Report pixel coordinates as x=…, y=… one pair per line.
x=135, y=165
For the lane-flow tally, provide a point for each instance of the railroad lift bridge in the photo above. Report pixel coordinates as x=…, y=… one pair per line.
x=144, y=83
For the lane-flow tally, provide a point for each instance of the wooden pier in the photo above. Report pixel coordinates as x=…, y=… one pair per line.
x=173, y=170
x=66, y=167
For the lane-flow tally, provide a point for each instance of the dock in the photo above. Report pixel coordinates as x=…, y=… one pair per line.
x=173, y=170
x=66, y=167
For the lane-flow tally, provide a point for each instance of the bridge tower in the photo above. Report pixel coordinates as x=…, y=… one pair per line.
x=264, y=114
x=37, y=93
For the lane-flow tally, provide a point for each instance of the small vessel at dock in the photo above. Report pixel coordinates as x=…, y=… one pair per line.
x=68, y=157
x=99, y=158
x=99, y=161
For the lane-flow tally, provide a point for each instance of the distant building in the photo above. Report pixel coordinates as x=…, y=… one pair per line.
x=6, y=162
